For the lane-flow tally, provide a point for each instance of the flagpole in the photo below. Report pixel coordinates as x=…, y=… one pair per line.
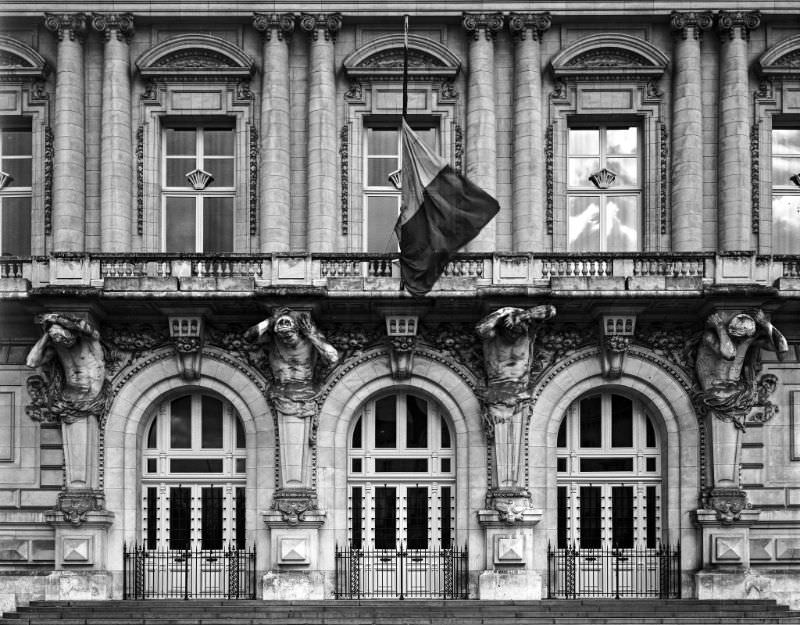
x=405, y=66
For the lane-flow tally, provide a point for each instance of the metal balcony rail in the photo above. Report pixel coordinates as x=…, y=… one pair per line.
x=188, y=574
x=614, y=573
x=401, y=573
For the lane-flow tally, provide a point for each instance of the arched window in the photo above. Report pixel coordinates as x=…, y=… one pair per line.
x=193, y=475
x=609, y=475
x=401, y=475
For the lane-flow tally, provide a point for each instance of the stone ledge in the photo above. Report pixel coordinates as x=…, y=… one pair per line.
x=587, y=283
x=140, y=284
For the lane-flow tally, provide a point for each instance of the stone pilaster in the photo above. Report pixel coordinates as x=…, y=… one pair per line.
x=322, y=131
x=687, y=139
x=116, y=148
x=69, y=192
x=481, y=122
x=734, y=203
x=275, y=172
x=527, y=175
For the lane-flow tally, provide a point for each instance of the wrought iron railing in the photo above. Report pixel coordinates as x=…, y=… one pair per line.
x=613, y=573
x=188, y=574
x=401, y=573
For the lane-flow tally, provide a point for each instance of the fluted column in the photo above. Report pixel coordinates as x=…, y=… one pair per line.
x=734, y=205
x=481, y=148
x=687, y=138
x=275, y=198
x=69, y=192
x=321, y=233
x=116, y=146
x=527, y=174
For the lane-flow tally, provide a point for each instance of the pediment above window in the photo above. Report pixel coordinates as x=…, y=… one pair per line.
x=609, y=56
x=20, y=62
x=195, y=57
x=382, y=59
x=782, y=59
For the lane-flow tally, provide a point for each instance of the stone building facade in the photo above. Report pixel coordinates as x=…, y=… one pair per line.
x=204, y=348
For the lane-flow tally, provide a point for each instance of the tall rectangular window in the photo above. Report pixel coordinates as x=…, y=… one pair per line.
x=16, y=163
x=198, y=189
x=604, y=189
x=785, y=190
x=382, y=156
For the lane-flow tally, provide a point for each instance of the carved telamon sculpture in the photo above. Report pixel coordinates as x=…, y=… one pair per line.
x=72, y=389
x=726, y=367
x=294, y=348
x=508, y=341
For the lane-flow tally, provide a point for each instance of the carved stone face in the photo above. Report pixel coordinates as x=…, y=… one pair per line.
x=61, y=336
x=742, y=326
x=286, y=329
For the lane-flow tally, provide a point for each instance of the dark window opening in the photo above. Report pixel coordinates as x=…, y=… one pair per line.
x=179, y=517
x=417, y=510
x=622, y=517
x=591, y=422
x=590, y=506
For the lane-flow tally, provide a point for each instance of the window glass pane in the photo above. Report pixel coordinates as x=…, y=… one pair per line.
x=785, y=224
x=590, y=517
x=416, y=422
x=211, y=423
x=241, y=440
x=181, y=141
x=382, y=141
x=579, y=171
x=561, y=465
x=649, y=464
x=622, y=517
x=241, y=517
x=591, y=422
x=604, y=465
x=152, y=517
x=217, y=224
x=401, y=465
x=583, y=227
x=356, y=507
x=179, y=517
x=627, y=171
x=650, y=516
x=650, y=438
x=16, y=226
x=218, y=142
x=241, y=465
x=20, y=171
x=621, y=421
x=429, y=136
x=584, y=141
x=561, y=440
x=221, y=169
x=152, y=435
x=417, y=511
x=561, y=507
x=378, y=170
x=622, y=141
x=177, y=168
x=445, y=434
x=181, y=423
x=180, y=224
x=356, y=465
x=621, y=224
x=783, y=168
x=211, y=518
x=445, y=465
x=386, y=422
x=785, y=141
x=152, y=465
x=385, y=518
x=447, y=519
x=356, y=444
x=195, y=465
x=381, y=218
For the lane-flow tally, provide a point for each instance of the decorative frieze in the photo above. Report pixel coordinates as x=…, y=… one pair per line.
x=344, y=176
x=73, y=25
x=119, y=25
x=140, y=180
x=522, y=24
x=281, y=23
x=691, y=24
x=663, y=168
x=737, y=24
x=487, y=23
x=328, y=23
x=253, y=181
x=755, y=177
x=549, y=171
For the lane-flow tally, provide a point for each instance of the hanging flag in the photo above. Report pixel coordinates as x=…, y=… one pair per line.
x=441, y=212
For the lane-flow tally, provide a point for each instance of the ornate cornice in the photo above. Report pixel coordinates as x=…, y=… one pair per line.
x=693, y=22
x=109, y=23
x=329, y=23
x=737, y=23
x=536, y=23
x=489, y=23
x=282, y=23
x=72, y=24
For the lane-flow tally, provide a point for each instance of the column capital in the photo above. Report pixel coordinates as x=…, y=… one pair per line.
x=520, y=23
x=733, y=24
x=330, y=23
x=281, y=23
x=691, y=23
x=73, y=25
x=489, y=23
x=110, y=24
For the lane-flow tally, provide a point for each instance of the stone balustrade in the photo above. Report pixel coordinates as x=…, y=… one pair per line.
x=353, y=273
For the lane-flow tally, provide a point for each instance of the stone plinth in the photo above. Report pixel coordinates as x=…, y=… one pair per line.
x=81, y=541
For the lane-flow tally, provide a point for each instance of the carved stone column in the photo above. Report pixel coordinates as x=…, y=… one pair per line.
x=322, y=154
x=527, y=175
x=481, y=123
x=275, y=126
x=734, y=205
x=687, y=139
x=69, y=193
x=116, y=150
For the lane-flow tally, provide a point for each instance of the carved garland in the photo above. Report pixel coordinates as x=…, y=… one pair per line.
x=548, y=159
x=140, y=180
x=754, y=176
x=459, y=149
x=253, y=180
x=663, y=186
x=344, y=156
x=48, y=180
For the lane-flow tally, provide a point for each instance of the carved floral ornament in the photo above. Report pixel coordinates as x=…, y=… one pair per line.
x=782, y=60
x=603, y=56
x=382, y=59
x=520, y=24
x=195, y=57
x=329, y=23
x=20, y=62
x=691, y=22
x=119, y=23
x=73, y=25
x=489, y=23
x=737, y=23
x=282, y=23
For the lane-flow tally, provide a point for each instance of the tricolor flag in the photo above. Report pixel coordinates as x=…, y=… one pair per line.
x=441, y=212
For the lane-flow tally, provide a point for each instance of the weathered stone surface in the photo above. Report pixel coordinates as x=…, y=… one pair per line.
x=507, y=585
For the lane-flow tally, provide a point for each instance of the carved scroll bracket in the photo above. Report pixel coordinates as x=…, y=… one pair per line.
x=617, y=331
x=187, y=336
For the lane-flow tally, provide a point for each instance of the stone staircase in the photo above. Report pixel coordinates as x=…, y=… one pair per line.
x=408, y=612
